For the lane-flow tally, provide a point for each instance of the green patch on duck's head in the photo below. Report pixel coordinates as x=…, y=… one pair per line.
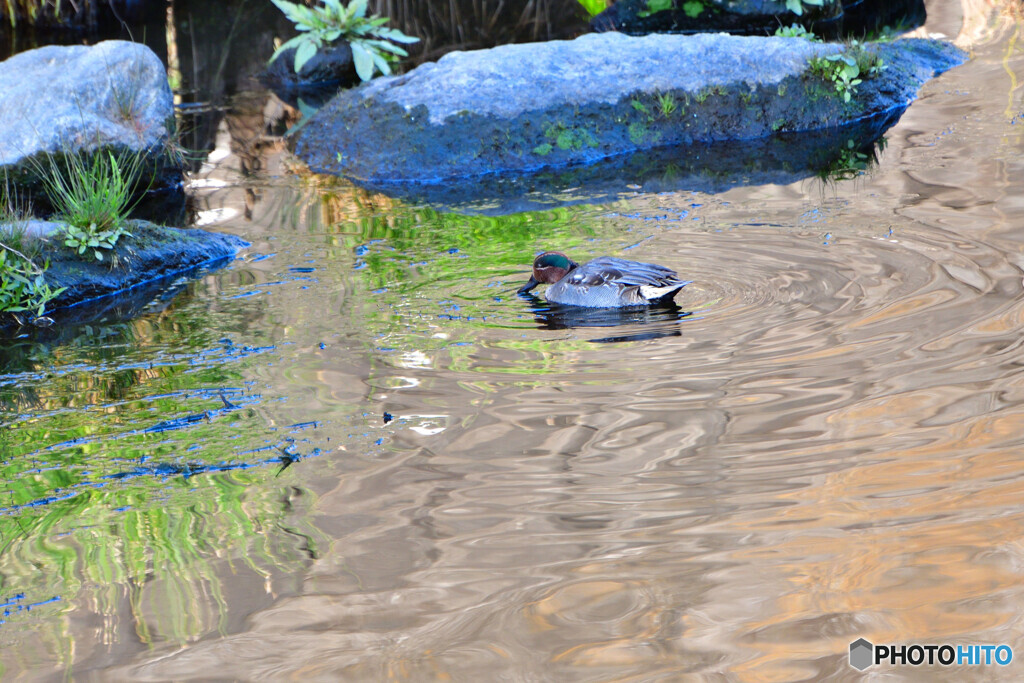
x=553, y=259
x=549, y=268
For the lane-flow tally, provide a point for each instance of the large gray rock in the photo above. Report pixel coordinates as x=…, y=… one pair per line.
x=521, y=108
x=59, y=99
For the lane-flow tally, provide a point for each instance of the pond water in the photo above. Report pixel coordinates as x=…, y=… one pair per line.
x=355, y=454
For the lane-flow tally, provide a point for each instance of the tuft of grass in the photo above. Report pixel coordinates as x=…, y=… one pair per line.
x=126, y=99
x=93, y=190
x=93, y=195
x=15, y=213
x=667, y=104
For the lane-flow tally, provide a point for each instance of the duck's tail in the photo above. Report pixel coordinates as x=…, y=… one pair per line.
x=659, y=293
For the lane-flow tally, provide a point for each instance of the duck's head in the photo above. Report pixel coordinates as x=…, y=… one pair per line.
x=548, y=268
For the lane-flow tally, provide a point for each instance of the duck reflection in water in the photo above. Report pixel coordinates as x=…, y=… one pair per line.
x=657, y=321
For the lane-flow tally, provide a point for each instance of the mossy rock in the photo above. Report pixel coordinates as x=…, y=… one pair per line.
x=152, y=253
x=524, y=108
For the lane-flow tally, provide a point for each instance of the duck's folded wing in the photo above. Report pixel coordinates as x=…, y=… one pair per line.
x=608, y=270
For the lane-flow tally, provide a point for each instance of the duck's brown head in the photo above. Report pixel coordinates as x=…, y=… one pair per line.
x=548, y=268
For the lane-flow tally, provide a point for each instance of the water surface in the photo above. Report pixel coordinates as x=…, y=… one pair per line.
x=822, y=443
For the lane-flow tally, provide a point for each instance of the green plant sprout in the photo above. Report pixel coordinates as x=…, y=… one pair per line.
x=372, y=44
x=841, y=69
x=795, y=31
x=667, y=104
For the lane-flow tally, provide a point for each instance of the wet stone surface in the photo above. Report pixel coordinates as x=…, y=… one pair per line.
x=521, y=108
x=111, y=95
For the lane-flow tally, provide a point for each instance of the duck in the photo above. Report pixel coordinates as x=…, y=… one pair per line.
x=604, y=282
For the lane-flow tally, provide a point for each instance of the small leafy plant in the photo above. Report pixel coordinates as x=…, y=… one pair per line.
x=841, y=69
x=844, y=69
x=93, y=238
x=654, y=6
x=372, y=44
x=795, y=31
x=23, y=287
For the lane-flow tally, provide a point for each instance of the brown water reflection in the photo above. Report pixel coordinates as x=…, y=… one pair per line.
x=829, y=448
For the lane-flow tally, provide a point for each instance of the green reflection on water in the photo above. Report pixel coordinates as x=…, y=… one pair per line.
x=147, y=552
x=155, y=551
x=412, y=239
x=439, y=283
x=137, y=552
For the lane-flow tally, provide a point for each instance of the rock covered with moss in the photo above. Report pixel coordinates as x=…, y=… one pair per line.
x=141, y=265
x=55, y=100
x=521, y=108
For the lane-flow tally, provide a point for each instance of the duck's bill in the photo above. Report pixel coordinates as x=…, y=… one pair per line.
x=528, y=286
